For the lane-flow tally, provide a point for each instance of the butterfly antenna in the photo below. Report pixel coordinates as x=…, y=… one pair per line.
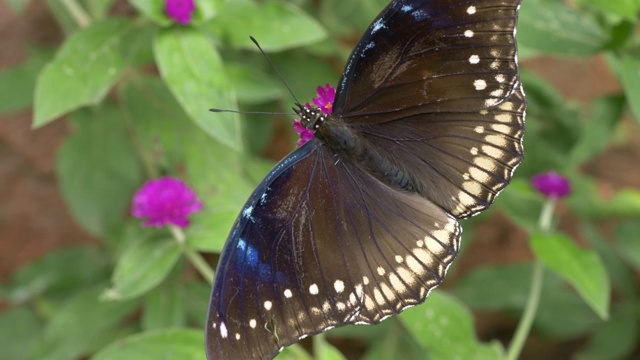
x=250, y=112
x=276, y=70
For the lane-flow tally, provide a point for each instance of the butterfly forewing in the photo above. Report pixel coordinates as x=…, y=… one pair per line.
x=431, y=56
x=319, y=245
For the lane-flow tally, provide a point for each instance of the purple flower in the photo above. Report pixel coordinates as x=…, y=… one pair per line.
x=551, y=184
x=325, y=98
x=180, y=10
x=305, y=134
x=165, y=201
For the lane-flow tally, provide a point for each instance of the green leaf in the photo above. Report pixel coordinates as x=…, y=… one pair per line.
x=294, y=352
x=97, y=8
x=196, y=294
x=555, y=28
x=277, y=26
x=164, y=307
x=604, y=114
x=444, y=326
x=83, y=70
x=175, y=343
x=252, y=85
x=19, y=329
x=395, y=343
x=81, y=320
x=628, y=242
x=553, y=127
x=97, y=170
x=562, y=313
x=616, y=338
x=61, y=271
x=194, y=73
x=621, y=275
x=630, y=79
x=521, y=204
x=18, y=83
x=142, y=266
x=581, y=268
x=627, y=9
x=325, y=351
x=625, y=202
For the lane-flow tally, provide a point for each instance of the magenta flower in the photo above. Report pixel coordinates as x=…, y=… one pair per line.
x=165, y=201
x=305, y=134
x=180, y=10
x=551, y=184
x=325, y=98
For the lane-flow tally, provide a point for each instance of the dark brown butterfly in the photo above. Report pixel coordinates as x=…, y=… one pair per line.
x=361, y=222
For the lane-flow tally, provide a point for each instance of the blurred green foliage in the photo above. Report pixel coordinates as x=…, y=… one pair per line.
x=136, y=91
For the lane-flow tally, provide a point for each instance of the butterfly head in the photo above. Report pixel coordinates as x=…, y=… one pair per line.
x=311, y=117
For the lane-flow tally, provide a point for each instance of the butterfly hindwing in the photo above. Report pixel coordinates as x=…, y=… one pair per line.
x=321, y=244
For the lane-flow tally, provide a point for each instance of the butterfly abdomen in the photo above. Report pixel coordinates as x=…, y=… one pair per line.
x=349, y=145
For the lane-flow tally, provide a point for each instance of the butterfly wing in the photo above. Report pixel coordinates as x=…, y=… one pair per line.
x=431, y=56
x=321, y=244
x=435, y=84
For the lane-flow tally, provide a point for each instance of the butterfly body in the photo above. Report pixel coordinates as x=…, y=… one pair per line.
x=361, y=222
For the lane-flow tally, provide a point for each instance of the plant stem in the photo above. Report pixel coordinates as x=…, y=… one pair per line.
x=194, y=257
x=524, y=326
x=77, y=12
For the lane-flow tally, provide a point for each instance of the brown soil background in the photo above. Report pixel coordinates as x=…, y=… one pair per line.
x=34, y=219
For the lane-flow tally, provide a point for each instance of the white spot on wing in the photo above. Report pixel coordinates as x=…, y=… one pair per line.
x=252, y=323
x=377, y=26
x=480, y=84
x=339, y=286
x=313, y=289
x=288, y=294
x=474, y=59
x=267, y=305
x=223, y=330
x=468, y=33
x=471, y=10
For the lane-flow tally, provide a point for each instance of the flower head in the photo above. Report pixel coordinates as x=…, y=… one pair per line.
x=165, y=201
x=180, y=10
x=305, y=134
x=551, y=184
x=325, y=98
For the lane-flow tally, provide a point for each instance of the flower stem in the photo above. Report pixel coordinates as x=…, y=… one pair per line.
x=77, y=12
x=524, y=326
x=194, y=257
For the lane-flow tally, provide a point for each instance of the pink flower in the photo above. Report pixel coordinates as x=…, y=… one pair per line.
x=551, y=184
x=165, y=201
x=325, y=98
x=180, y=10
x=305, y=134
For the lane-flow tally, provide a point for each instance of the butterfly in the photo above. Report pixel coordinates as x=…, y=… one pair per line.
x=361, y=222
